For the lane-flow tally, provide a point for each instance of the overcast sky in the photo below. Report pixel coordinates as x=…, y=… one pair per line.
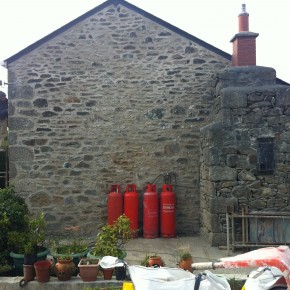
x=23, y=22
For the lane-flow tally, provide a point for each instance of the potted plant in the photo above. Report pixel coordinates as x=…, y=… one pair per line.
x=89, y=269
x=64, y=268
x=155, y=261
x=185, y=260
x=72, y=247
x=111, y=239
x=152, y=261
x=28, y=243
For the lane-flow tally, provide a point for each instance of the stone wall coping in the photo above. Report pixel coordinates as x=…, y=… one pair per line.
x=75, y=283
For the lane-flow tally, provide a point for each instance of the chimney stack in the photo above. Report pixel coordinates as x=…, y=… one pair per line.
x=244, y=42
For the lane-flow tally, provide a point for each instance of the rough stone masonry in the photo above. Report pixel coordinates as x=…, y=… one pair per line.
x=120, y=98
x=117, y=98
x=249, y=106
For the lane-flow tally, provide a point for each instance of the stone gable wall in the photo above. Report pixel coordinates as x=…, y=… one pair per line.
x=248, y=105
x=115, y=99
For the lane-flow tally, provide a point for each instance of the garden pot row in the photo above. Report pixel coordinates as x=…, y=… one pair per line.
x=63, y=269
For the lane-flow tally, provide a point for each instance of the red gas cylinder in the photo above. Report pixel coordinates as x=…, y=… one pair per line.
x=115, y=204
x=167, y=212
x=150, y=212
x=131, y=207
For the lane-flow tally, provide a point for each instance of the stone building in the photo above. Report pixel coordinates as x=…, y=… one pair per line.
x=121, y=96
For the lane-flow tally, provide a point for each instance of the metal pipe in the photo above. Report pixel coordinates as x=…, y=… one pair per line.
x=228, y=234
x=261, y=216
x=207, y=265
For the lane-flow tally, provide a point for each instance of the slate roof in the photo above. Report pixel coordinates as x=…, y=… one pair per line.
x=129, y=6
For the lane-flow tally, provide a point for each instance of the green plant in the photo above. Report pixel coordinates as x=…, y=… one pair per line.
x=4, y=143
x=5, y=264
x=31, y=237
x=111, y=239
x=68, y=249
x=5, y=267
x=72, y=245
x=13, y=211
x=183, y=253
x=144, y=261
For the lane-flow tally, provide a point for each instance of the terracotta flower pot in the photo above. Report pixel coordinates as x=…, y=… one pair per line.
x=64, y=269
x=28, y=275
x=42, y=270
x=76, y=257
x=89, y=269
x=108, y=273
x=28, y=272
x=155, y=261
x=185, y=264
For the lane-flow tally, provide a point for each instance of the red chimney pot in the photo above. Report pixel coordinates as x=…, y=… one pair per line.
x=244, y=42
x=243, y=19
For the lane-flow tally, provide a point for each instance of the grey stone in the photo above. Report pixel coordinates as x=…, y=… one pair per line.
x=19, y=154
x=246, y=176
x=20, y=123
x=217, y=173
x=233, y=98
x=241, y=192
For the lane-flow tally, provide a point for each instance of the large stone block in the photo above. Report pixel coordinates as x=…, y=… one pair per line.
x=241, y=76
x=211, y=156
x=21, y=92
x=218, y=173
x=212, y=134
x=219, y=205
x=18, y=154
x=20, y=123
x=40, y=199
x=233, y=98
x=241, y=192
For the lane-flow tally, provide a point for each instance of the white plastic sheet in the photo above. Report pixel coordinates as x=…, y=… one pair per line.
x=111, y=262
x=164, y=278
x=265, y=278
x=213, y=282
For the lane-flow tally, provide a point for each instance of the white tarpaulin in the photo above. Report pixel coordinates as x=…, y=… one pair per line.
x=164, y=278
